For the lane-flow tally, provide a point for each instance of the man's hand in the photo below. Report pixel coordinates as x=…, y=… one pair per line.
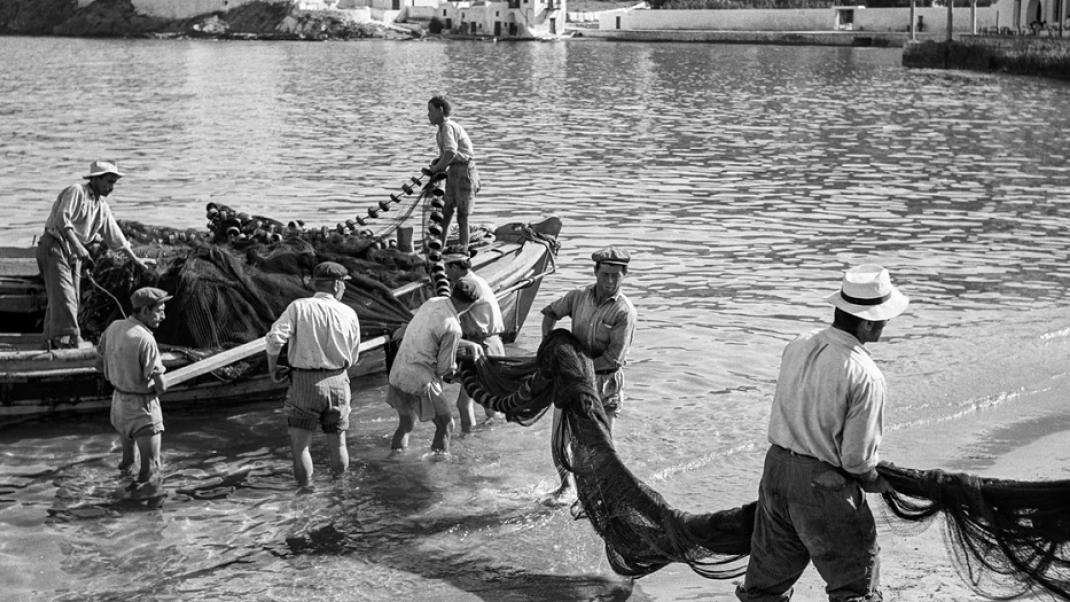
x=468, y=349
x=79, y=250
x=878, y=485
x=280, y=374
x=146, y=263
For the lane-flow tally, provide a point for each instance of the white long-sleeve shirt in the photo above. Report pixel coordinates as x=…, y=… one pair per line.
x=323, y=332
x=428, y=350
x=829, y=401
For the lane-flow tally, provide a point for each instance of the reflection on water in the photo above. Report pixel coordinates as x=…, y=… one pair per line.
x=744, y=179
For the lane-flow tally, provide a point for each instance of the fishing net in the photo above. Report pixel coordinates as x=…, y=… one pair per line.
x=225, y=296
x=1010, y=536
x=641, y=531
x=233, y=279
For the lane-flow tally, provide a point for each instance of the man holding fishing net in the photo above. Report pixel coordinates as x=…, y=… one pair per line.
x=481, y=324
x=824, y=429
x=457, y=160
x=603, y=319
x=79, y=218
x=426, y=360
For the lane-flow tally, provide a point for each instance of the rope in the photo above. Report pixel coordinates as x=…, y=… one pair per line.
x=89, y=275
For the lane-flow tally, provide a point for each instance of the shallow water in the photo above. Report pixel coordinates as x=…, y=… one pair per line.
x=744, y=179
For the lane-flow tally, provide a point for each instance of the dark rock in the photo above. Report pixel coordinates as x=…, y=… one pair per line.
x=118, y=18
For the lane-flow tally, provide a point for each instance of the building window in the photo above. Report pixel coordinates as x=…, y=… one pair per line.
x=443, y=12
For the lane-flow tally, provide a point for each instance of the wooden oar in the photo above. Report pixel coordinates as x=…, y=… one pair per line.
x=239, y=353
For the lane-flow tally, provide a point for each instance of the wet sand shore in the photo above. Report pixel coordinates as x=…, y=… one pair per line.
x=1015, y=443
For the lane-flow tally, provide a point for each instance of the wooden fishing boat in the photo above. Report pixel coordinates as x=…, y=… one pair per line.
x=36, y=383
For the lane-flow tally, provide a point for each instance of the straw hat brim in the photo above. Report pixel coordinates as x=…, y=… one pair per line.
x=896, y=304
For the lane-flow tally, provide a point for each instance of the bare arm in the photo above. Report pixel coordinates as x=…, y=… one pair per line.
x=548, y=324
x=141, y=263
x=159, y=384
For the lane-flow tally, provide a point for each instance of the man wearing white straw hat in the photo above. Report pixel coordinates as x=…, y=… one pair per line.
x=79, y=217
x=824, y=429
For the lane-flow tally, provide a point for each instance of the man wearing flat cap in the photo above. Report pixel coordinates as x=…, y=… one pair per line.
x=130, y=360
x=79, y=217
x=426, y=359
x=824, y=432
x=603, y=319
x=481, y=324
x=324, y=337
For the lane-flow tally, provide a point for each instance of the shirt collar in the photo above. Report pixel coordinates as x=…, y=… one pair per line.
x=842, y=337
x=594, y=294
x=321, y=294
x=89, y=192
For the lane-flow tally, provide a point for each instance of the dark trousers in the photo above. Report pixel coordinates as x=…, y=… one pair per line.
x=811, y=511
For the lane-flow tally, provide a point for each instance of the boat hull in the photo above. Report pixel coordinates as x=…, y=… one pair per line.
x=46, y=383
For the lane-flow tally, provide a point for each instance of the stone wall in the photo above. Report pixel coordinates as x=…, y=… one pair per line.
x=798, y=20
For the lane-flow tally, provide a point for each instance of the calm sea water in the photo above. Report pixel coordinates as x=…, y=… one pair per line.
x=744, y=179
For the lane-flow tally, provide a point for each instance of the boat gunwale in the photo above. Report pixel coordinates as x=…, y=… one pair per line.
x=522, y=281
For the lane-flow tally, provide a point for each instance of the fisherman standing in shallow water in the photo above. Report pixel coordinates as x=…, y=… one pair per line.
x=824, y=429
x=481, y=324
x=426, y=359
x=457, y=159
x=130, y=360
x=324, y=338
x=79, y=217
x=603, y=319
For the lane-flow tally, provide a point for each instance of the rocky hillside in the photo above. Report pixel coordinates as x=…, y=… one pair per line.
x=118, y=18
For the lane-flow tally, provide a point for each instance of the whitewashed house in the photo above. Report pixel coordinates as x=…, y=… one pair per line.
x=517, y=19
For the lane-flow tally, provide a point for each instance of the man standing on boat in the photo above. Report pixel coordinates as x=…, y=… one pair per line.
x=426, y=359
x=603, y=319
x=481, y=324
x=824, y=432
x=131, y=362
x=79, y=217
x=457, y=160
x=324, y=337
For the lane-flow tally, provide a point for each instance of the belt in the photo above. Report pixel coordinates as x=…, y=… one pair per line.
x=794, y=453
x=606, y=372
x=318, y=369
x=479, y=339
x=149, y=394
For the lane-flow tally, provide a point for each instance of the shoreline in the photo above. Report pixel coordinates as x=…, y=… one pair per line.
x=1025, y=441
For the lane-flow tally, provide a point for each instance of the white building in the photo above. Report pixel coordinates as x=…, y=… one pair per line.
x=519, y=19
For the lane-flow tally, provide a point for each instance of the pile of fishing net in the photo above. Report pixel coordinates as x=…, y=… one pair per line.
x=231, y=281
x=1011, y=535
